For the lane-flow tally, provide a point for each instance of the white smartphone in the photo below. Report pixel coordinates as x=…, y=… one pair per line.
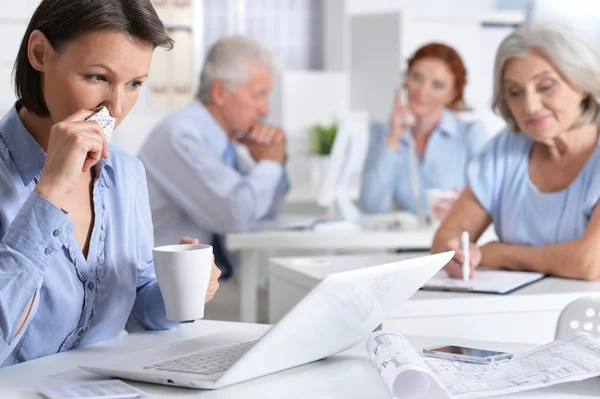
x=465, y=354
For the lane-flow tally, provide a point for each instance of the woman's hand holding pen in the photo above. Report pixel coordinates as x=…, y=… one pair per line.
x=454, y=267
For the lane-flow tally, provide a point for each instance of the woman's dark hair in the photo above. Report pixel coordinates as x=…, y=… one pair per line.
x=65, y=20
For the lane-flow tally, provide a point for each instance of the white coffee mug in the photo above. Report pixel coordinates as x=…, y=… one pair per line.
x=433, y=196
x=183, y=274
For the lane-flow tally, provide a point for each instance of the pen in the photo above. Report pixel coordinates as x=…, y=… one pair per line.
x=466, y=266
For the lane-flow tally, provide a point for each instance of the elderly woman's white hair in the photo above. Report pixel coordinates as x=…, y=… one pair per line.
x=231, y=60
x=572, y=56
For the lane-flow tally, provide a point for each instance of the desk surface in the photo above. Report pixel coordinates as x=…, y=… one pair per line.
x=349, y=375
x=418, y=238
x=547, y=294
x=254, y=243
x=307, y=193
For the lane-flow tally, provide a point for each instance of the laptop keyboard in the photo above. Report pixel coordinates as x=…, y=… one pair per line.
x=206, y=363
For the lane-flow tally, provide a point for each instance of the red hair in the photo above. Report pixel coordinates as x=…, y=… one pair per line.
x=454, y=63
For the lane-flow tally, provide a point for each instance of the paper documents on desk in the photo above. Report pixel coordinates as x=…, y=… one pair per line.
x=107, y=389
x=299, y=223
x=485, y=281
x=410, y=376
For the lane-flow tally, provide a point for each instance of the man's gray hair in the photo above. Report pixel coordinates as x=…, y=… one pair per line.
x=572, y=56
x=231, y=60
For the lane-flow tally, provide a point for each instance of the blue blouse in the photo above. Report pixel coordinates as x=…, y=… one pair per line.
x=499, y=178
x=78, y=301
x=386, y=177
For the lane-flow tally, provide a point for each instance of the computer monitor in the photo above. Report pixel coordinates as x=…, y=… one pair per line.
x=345, y=165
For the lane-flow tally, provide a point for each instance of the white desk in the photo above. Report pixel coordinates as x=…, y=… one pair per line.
x=250, y=246
x=527, y=315
x=349, y=376
x=309, y=194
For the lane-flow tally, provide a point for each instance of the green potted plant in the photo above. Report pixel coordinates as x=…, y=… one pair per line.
x=323, y=137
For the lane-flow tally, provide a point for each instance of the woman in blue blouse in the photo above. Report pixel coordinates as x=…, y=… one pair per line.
x=538, y=181
x=76, y=237
x=425, y=146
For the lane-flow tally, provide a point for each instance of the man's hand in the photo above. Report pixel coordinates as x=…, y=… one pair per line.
x=266, y=134
x=266, y=142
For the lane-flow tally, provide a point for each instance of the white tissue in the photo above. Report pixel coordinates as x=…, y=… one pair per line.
x=106, y=122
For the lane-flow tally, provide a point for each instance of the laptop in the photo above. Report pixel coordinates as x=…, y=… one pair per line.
x=339, y=312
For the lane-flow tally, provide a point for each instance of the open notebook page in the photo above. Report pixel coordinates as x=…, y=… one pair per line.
x=486, y=281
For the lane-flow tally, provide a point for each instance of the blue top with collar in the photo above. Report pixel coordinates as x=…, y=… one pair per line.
x=78, y=301
x=199, y=185
x=521, y=213
x=386, y=176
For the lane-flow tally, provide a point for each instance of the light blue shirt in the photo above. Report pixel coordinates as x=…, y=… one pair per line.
x=199, y=185
x=386, y=177
x=499, y=178
x=78, y=301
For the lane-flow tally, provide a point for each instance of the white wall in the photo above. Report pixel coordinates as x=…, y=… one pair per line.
x=302, y=99
x=375, y=67
x=373, y=39
x=377, y=6
x=134, y=129
x=512, y=4
x=336, y=26
x=291, y=28
x=335, y=36
x=583, y=15
x=382, y=43
x=11, y=32
x=308, y=98
x=14, y=16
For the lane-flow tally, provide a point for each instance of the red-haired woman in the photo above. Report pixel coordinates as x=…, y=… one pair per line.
x=426, y=145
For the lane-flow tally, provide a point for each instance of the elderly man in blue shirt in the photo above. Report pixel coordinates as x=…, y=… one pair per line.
x=197, y=181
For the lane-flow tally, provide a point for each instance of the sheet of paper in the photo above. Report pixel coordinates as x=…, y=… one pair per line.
x=106, y=122
x=493, y=281
x=109, y=389
x=402, y=369
x=409, y=376
x=551, y=364
x=299, y=223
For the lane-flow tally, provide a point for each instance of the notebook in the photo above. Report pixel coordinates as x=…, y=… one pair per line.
x=485, y=281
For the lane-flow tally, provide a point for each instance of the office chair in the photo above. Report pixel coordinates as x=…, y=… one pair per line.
x=582, y=314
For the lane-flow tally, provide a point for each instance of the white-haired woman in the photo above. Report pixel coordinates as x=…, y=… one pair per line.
x=538, y=181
